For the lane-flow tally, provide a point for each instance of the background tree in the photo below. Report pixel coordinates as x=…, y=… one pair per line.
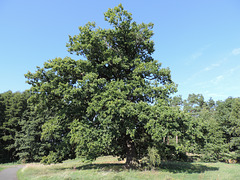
x=29, y=145
x=194, y=103
x=2, y=119
x=228, y=115
x=13, y=105
x=215, y=127
x=56, y=101
x=211, y=143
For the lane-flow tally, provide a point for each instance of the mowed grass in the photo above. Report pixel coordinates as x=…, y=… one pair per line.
x=109, y=168
x=1, y=168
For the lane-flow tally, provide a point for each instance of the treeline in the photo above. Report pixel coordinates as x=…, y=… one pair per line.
x=216, y=127
x=213, y=132
x=21, y=129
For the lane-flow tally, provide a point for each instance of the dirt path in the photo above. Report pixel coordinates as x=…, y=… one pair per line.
x=10, y=173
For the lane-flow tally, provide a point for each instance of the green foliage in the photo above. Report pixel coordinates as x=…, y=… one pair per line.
x=13, y=106
x=228, y=115
x=194, y=104
x=215, y=127
x=28, y=141
x=114, y=102
x=52, y=158
x=152, y=159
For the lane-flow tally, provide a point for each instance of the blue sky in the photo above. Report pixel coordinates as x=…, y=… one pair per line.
x=198, y=40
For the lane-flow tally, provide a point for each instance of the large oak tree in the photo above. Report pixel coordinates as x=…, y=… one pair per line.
x=115, y=101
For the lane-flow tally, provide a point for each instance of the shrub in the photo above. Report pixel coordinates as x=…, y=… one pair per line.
x=52, y=158
x=152, y=159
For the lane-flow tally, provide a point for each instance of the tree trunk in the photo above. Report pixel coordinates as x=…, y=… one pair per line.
x=131, y=155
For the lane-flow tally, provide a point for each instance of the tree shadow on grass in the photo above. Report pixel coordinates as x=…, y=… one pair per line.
x=173, y=167
x=104, y=167
x=117, y=167
x=185, y=167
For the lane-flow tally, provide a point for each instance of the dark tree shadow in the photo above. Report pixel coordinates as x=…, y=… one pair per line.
x=173, y=167
x=185, y=167
x=104, y=167
x=117, y=167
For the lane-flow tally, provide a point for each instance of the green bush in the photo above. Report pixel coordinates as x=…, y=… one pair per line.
x=152, y=159
x=52, y=158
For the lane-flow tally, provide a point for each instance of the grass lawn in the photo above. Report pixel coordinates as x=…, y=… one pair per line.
x=109, y=168
x=1, y=168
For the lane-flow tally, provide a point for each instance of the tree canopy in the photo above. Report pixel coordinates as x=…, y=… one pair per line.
x=114, y=101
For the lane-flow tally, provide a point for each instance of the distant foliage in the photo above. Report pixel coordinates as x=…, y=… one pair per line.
x=12, y=108
x=216, y=127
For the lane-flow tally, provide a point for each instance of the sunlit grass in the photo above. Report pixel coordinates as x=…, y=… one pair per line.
x=110, y=168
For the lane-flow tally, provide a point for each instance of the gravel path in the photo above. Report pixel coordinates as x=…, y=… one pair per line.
x=10, y=173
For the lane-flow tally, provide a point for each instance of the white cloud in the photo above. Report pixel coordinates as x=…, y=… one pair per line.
x=232, y=70
x=217, y=79
x=207, y=68
x=196, y=55
x=236, y=51
x=211, y=67
x=216, y=65
x=215, y=95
